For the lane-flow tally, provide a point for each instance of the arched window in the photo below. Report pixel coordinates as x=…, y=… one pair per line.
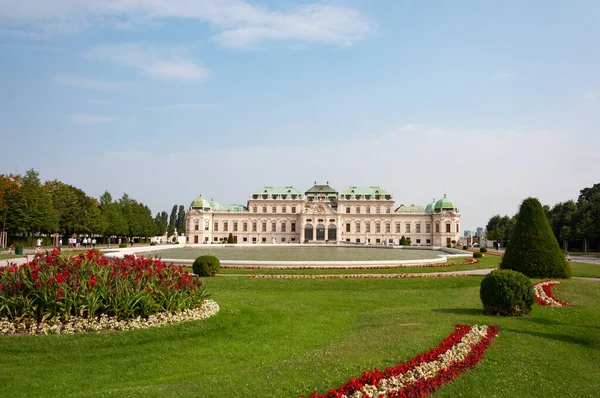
x=320, y=232
x=308, y=232
x=332, y=232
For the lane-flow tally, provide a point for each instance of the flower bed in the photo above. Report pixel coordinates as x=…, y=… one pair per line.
x=425, y=373
x=468, y=262
x=60, y=294
x=543, y=294
x=357, y=276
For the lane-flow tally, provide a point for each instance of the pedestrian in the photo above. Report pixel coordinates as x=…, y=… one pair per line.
x=38, y=246
x=132, y=240
x=119, y=241
x=60, y=244
x=93, y=243
x=10, y=249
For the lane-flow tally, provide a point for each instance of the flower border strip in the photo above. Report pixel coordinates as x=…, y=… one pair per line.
x=283, y=267
x=425, y=373
x=357, y=276
x=104, y=323
x=544, y=296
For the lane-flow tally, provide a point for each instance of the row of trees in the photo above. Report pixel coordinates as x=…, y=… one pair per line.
x=575, y=224
x=29, y=207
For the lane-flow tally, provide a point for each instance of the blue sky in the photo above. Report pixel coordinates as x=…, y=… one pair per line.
x=489, y=102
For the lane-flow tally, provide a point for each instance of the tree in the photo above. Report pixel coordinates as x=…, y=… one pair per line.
x=161, y=221
x=172, y=221
x=500, y=229
x=116, y=223
x=180, y=224
x=403, y=241
x=230, y=238
x=533, y=249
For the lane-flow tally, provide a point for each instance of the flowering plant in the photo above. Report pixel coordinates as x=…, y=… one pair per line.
x=425, y=373
x=543, y=294
x=53, y=288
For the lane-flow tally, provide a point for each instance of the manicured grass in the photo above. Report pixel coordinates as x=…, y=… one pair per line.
x=585, y=269
x=7, y=256
x=282, y=338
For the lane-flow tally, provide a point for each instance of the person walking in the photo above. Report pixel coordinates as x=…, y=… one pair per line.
x=38, y=246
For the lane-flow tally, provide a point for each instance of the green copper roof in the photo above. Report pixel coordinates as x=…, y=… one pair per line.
x=234, y=207
x=430, y=206
x=374, y=192
x=200, y=203
x=321, y=189
x=444, y=204
x=215, y=205
x=267, y=190
x=410, y=209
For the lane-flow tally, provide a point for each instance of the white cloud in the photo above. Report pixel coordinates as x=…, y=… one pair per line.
x=239, y=23
x=168, y=63
x=590, y=95
x=502, y=75
x=91, y=84
x=87, y=120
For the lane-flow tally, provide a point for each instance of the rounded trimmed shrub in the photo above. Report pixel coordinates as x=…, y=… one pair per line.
x=483, y=250
x=477, y=255
x=206, y=266
x=465, y=247
x=152, y=243
x=533, y=248
x=122, y=245
x=507, y=293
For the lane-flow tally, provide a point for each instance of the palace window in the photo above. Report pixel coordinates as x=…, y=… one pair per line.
x=206, y=225
x=264, y=209
x=418, y=228
x=387, y=227
x=274, y=209
x=293, y=209
x=245, y=227
x=196, y=227
x=347, y=227
x=283, y=226
x=254, y=209
x=377, y=227
x=348, y=209
x=397, y=227
x=457, y=228
x=264, y=239
x=225, y=226
x=357, y=227
x=388, y=210
x=428, y=241
x=357, y=209
x=293, y=229
x=283, y=209
x=428, y=228
x=367, y=227
x=418, y=240
x=437, y=228
x=368, y=208
x=254, y=226
x=377, y=209
x=407, y=228
x=283, y=239
x=216, y=226
x=264, y=226
x=273, y=227
x=235, y=226
x=447, y=228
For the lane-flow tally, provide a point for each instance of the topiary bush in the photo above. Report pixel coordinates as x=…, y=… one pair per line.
x=533, y=249
x=206, y=266
x=483, y=250
x=465, y=247
x=122, y=245
x=403, y=241
x=477, y=255
x=152, y=243
x=506, y=292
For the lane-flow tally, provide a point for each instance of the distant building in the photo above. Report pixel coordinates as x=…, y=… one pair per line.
x=357, y=215
x=479, y=232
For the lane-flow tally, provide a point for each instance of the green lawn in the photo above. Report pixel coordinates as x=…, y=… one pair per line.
x=585, y=269
x=7, y=256
x=282, y=338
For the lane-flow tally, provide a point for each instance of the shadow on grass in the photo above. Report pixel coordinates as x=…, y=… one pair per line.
x=587, y=342
x=461, y=311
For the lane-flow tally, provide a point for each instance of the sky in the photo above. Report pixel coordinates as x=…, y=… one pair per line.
x=488, y=102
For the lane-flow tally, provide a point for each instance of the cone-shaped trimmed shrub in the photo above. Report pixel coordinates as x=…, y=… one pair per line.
x=508, y=293
x=533, y=248
x=206, y=266
x=403, y=241
x=230, y=238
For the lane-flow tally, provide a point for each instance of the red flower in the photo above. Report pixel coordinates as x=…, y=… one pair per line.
x=59, y=294
x=93, y=281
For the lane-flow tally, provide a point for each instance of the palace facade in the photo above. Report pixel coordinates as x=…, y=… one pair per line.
x=322, y=214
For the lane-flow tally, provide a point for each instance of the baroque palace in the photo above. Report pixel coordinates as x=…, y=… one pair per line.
x=321, y=214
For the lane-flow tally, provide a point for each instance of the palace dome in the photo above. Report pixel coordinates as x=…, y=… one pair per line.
x=200, y=203
x=444, y=204
x=429, y=208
